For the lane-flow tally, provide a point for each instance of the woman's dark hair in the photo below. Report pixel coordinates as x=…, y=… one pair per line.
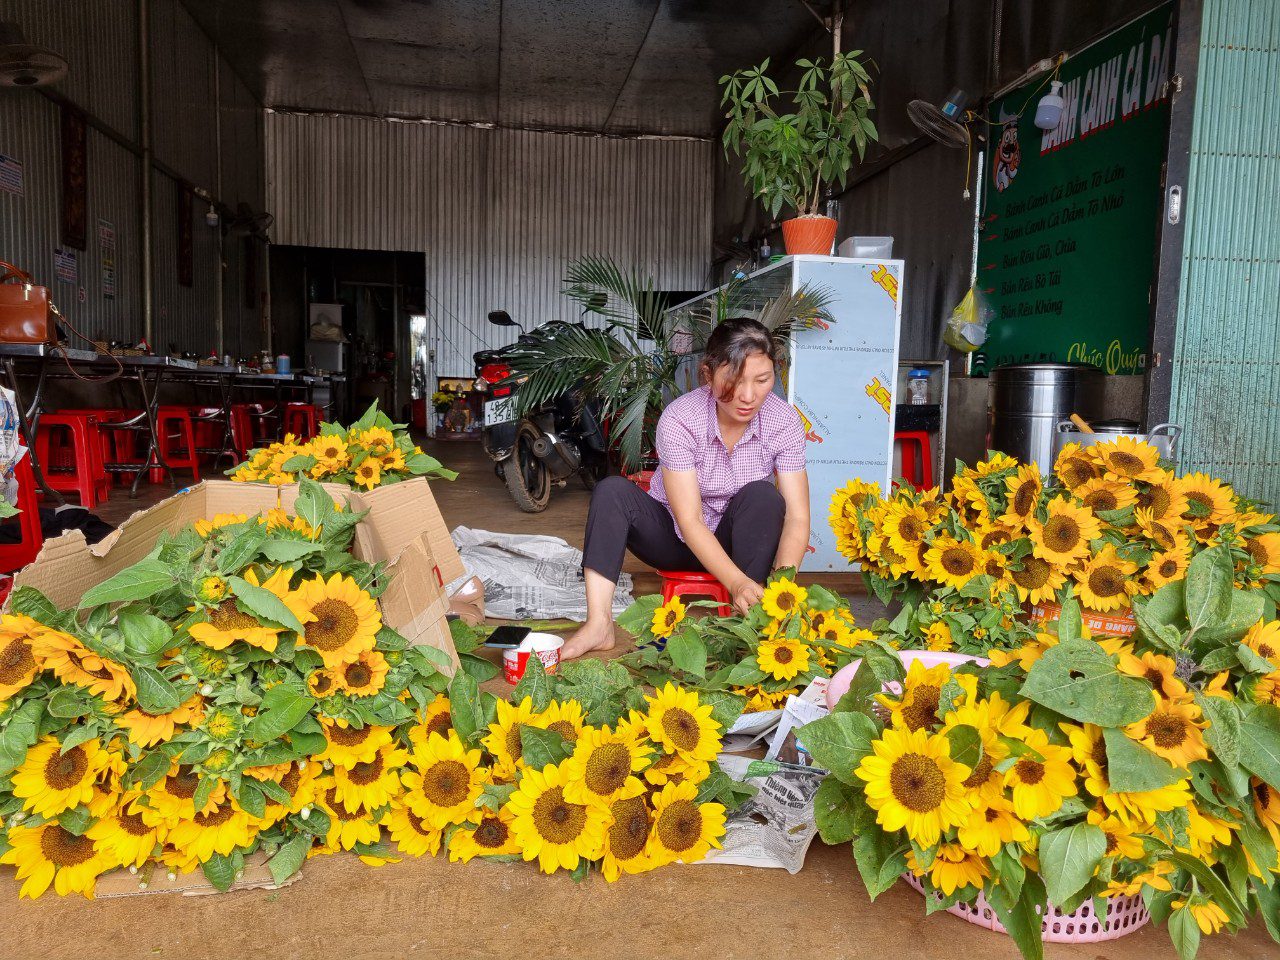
x=729, y=346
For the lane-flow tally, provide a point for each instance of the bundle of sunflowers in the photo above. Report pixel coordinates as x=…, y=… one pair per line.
x=1081, y=774
x=1111, y=522
x=238, y=694
x=794, y=635
x=372, y=452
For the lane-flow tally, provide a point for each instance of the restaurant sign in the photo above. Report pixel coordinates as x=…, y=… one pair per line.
x=1070, y=220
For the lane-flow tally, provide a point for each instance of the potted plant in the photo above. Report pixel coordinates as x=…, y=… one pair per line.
x=796, y=144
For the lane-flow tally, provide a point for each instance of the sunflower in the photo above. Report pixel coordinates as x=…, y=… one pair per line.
x=325, y=683
x=300, y=783
x=1267, y=689
x=905, y=525
x=783, y=659
x=1123, y=840
x=1205, y=834
x=503, y=740
x=373, y=783
x=1173, y=731
x=1074, y=467
x=369, y=473
x=603, y=767
x=492, y=836
x=953, y=562
x=148, y=729
x=1127, y=459
x=413, y=834
x=1040, y=785
x=1037, y=580
x=348, y=745
x=673, y=768
x=172, y=800
x=220, y=830
x=917, y=707
x=1158, y=670
x=1023, y=489
x=1266, y=804
x=1063, y=537
x=1102, y=494
x=682, y=725
x=1209, y=500
x=683, y=829
x=550, y=829
x=364, y=676
x=123, y=837
x=937, y=636
x=913, y=784
x=1263, y=638
x=220, y=520
x=346, y=827
x=227, y=622
x=377, y=440
x=330, y=452
x=393, y=461
x=1163, y=498
x=992, y=719
x=1165, y=567
x=627, y=838
x=49, y=854
x=1106, y=581
x=564, y=717
x=18, y=664
x=51, y=780
x=437, y=718
x=342, y=621
x=1263, y=549
x=447, y=782
x=783, y=598
x=667, y=617
x=990, y=826
x=72, y=662
x=1209, y=917
x=953, y=868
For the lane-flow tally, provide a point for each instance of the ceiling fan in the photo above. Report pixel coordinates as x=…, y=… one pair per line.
x=24, y=64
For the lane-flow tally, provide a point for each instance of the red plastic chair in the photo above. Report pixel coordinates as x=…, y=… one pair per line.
x=69, y=446
x=118, y=445
x=176, y=441
x=15, y=556
x=302, y=420
x=688, y=583
x=917, y=457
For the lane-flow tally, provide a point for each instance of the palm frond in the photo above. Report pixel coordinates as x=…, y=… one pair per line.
x=631, y=301
x=556, y=365
x=797, y=310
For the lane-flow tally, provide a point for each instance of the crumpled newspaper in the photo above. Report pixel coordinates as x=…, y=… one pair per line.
x=529, y=577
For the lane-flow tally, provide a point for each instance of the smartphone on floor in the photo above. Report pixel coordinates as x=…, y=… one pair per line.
x=507, y=637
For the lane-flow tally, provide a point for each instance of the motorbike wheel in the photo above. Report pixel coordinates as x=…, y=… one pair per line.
x=528, y=479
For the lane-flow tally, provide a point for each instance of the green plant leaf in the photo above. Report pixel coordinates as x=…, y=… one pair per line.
x=966, y=745
x=236, y=555
x=264, y=604
x=1080, y=680
x=836, y=807
x=881, y=858
x=143, y=580
x=145, y=636
x=1132, y=768
x=1260, y=743
x=1246, y=608
x=283, y=707
x=67, y=703
x=1068, y=857
x=289, y=858
x=289, y=551
x=838, y=742
x=1210, y=577
x=150, y=769
x=534, y=684
x=688, y=652
x=251, y=797
x=1223, y=732
x=1021, y=918
x=539, y=747
x=155, y=693
x=220, y=871
x=478, y=667
x=467, y=708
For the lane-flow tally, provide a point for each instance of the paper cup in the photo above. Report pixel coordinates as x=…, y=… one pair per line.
x=545, y=646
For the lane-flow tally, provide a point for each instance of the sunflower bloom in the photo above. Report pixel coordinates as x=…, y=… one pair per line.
x=952, y=562
x=503, y=740
x=914, y=785
x=1209, y=917
x=627, y=839
x=990, y=826
x=953, y=868
x=1023, y=490
x=683, y=829
x=667, y=617
x=492, y=836
x=348, y=745
x=372, y=784
x=18, y=664
x=1037, y=580
x=447, y=783
x=1173, y=731
x=72, y=662
x=1127, y=459
x=411, y=833
x=682, y=725
x=49, y=855
x=1040, y=786
x=782, y=658
x=550, y=829
x=1106, y=581
x=51, y=781
x=604, y=765
x=1063, y=537
x=342, y=620
x=148, y=729
x=123, y=837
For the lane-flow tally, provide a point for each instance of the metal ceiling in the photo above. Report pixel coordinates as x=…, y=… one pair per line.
x=603, y=66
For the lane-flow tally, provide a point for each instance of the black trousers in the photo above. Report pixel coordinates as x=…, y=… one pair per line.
x=623, y=517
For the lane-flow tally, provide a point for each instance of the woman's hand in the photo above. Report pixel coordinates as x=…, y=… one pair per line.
x=745, y=594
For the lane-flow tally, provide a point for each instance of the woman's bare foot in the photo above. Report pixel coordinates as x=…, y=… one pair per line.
x=592, y=635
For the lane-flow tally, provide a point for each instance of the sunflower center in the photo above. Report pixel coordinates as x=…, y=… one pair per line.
x=1157, y=501
x=1101, y=500
x=1167, y=568
x=419, y=825
x=1195, y=496
x=1061, y=534
x=290, y=781
x=917, y=782
x=957, y=561
x=334, y=625
x=786, y=600
x=66, y=770
x=1112, y=842
x=1099, y=753
x=922, y=709
x=1077, y=471
x=630, y=828
x=557, y=820
x=680, y=826
x=218, y=816
x=446, y=783
x=492, y=833
x=672, y=619
x=981, y=773
x=63, y=848
x=101, y=673
x=228, y=617
x=1125, y=464
x=363, y=774
x=441, y=723
x=514, y=743
x=349, y=736
x=322, y=683
x=909, y=529
x=131, y=823
x=1266, y=651
x=783, y=655
x=681, y=727
x=183, y=784
x=607, y=769
x=1034, y=573
x=1106, y=582
x=1167, y=730
x=358, y=675
x=1024, y=499
x=991, y=814
x=1153, y=676
x=1029, y=771
x=565, y=729
x=16, y=661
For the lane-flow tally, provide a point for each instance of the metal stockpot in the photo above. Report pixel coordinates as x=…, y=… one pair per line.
x=1027, y=401
x=1164, y=437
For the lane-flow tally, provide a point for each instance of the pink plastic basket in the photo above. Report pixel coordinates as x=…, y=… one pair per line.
x=1124, y=915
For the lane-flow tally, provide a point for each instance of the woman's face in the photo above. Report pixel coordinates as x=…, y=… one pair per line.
x=748, y=395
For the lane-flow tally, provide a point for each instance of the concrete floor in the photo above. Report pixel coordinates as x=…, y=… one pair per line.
x=430, y=908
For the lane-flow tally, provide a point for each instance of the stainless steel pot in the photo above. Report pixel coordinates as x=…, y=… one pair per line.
x=1164, y=437
x=1028, y=399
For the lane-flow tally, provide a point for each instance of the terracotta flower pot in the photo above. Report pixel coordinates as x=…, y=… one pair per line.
x=809, y=235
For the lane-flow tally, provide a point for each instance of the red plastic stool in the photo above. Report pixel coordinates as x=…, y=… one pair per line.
x=15, y=556
x=683, y=583
x=118, y=445
x=72, y=442
x=913, y=465
x=178, y=448
x=242, y=433
x=302, y=420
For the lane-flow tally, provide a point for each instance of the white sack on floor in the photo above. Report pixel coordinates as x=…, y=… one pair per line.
x=529, y=577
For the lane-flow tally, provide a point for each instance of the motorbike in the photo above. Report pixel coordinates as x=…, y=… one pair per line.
x=548, y=445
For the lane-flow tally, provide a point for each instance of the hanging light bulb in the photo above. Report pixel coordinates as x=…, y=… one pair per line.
x=1049, y=110
x=211, y=218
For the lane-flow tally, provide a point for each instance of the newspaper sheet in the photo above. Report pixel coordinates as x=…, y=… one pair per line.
x=750, y=728
x=796, y=713
x=775, y=827
x=529, y=577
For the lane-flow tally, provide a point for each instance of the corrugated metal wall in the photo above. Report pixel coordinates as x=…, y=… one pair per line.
x=1226, y=367
x=498, y=213
x=99, y=40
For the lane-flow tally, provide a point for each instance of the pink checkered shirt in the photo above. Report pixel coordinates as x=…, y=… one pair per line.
x=689, y=439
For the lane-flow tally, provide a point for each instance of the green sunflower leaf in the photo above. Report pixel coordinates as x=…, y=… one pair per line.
x=251, y=797
x=495, y=795
x=150, y=769
x=283, y=706
x=155, y=693
x=467, y=708
x=688, y=652
x=77, y=736
x=77, y=821
x=1223, y=732
x=1068, y=858
x=145, y=636
x=541, y=747
x=1246, y=608
x=881, y=858
x=478, y=667
x=1079, y=679
x=67, y=703
x=220, y=870
x=1021, y=916
x=1260, y=743
x=1131, y=767
x=144, y=579
x=836, y=810
x=236, y=555
x=725, y=707
x=289, y=551
x=1209, y=580
x=838, y=742
x=535, y=685
x=274, y=792
x=966, y=745
x=204, y=791
x=264, y=604
x=317, y=823
x=289, y=858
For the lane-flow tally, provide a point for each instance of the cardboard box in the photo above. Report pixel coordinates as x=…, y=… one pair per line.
x=403, y=527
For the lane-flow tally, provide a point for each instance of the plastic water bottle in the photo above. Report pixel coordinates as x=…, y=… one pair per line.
x=282, y=364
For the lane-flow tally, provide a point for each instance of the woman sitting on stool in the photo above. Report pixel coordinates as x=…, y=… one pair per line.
x=713, y=505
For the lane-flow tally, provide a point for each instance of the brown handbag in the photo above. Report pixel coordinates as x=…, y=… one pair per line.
x=26, y=312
